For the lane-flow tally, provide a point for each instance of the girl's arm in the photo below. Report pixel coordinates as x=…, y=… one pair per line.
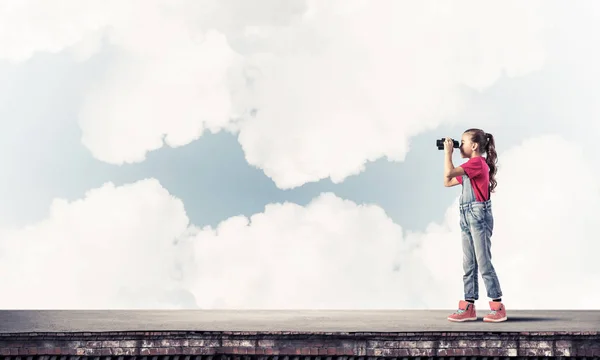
x=449, y=182
x=450, y=172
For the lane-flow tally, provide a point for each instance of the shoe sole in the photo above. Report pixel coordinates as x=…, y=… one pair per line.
x=495, y=320
x=462, y=320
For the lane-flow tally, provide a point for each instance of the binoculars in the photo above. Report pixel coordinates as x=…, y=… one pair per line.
x=440, y=144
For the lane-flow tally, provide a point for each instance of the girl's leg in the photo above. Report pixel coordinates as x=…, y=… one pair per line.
x=470, y=280
x=481, y=226
x=466, y=310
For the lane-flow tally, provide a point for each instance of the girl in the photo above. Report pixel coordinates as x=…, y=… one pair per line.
x=476, y=220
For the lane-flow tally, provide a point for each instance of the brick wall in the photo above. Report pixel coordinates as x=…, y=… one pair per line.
x=299, y=346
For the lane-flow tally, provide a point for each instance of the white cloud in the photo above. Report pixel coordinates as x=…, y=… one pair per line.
x=28, y=27
x=115, y=248
x=362, y=79
x=335, y=83
x=332, y=253
x=174, y=90
x=168, y=80
x=546, y=239
x=112, y=249
x=380, y=74
x=336, y=254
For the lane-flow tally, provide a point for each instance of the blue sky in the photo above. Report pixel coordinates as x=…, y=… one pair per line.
x=211, y=174
x=80, y=115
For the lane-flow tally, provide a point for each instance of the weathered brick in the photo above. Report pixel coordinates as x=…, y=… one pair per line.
x=391, y=344
x=266, y=343
x=127, y=343
x=421, y=352
x=238, y=343
x=95, y=352
x=443, y=344
x=543, y=345
x=147, y=343
x=372, y=344
x=506, y=352
x=202, y=351
x=407, y=344
x=402, y=352
x=452, y=351
x=425, y=344
x=74, y=344
x=562, y=351
x=337, y=347
x=489, y=352
x=590, y=352
x=110, y=344
x=154, y=351
x=226, y=350
x=370, y=352
x=564, y=343
x=471, y=351
x=534, y=352
x=467, y=343
x=202, y=343
x=130, y=351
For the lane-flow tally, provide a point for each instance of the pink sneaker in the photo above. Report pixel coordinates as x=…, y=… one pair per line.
x=497, y=314
x=465, y=312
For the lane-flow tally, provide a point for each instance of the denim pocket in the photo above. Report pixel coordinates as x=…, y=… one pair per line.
x=478, y=213
x=482, y=216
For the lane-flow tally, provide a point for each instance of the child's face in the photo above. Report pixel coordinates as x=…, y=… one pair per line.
x=466, y=146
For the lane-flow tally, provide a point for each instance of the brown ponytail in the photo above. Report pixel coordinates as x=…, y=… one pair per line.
x=491, y=159
x=487, y=145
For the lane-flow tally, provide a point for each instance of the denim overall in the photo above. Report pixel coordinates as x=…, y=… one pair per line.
x=477, y=224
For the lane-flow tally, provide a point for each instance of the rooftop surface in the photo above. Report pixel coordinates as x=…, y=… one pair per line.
x=310, y=321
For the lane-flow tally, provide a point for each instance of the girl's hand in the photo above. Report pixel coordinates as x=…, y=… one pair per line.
x=448, y=145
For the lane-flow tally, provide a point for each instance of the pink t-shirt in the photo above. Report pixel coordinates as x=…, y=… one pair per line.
x=479, y=173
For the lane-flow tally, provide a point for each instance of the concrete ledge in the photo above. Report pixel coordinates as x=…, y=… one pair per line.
x=393, y=321
x=302, y=346
x=292, y=335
